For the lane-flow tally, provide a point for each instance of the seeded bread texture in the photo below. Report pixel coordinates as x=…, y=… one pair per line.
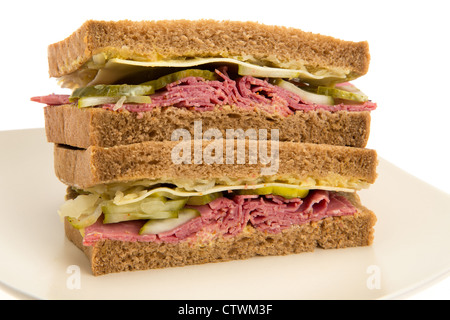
x=86, y=127
x=111, y=256
x=175, y=39
x=153, y=160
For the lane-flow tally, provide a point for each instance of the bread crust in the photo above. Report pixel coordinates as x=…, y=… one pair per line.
x=86, y=127
x=174, y=39
x=153, y=160
x=110, y=256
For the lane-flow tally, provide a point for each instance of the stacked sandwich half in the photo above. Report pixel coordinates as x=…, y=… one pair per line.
x=190, y=142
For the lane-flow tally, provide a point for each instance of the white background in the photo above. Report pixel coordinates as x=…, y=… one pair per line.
x=408, y=77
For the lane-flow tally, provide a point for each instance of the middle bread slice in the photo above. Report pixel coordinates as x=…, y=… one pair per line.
x=67, y=124
x=193, y=164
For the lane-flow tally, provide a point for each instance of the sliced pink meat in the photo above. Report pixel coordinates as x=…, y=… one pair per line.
x=123, y=231
x=222, y=216
x=270, y=213
x=53, y=99
x=273, y=213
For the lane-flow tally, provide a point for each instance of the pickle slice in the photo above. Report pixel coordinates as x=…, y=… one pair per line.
x=259, y=191
x=153, y=205
x=135, y=215
x=173, y=77
x=82, y=211
x=336, y=93
x=85, y=220
x=159, y=226
x=117, y=90
x=97, y=101
x=306, y=96
x=290, y=193
x=285, y=192
x=149, y=208
x=205, y=199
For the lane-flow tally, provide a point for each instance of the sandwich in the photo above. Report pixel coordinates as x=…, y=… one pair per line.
x=190, y=142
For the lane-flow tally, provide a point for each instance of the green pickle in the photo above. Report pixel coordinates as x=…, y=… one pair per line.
x=96, y=101
x=84, y=222
x=153, y=205
x=285, y=192
x=259, y=191
x=167, y=79
x=342, y=94
x=205, y=199
x=149, y=208
x=290, y=193
x=158, y=226
x=116, y=90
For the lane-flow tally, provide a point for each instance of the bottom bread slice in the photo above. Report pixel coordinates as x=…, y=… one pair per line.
x=110, y=256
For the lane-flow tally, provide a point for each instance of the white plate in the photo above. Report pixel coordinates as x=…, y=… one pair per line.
x=411, y=247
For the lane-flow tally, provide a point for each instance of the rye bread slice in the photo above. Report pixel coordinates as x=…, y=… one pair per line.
x=154, y=160
x=87, y=127
x=179, y=39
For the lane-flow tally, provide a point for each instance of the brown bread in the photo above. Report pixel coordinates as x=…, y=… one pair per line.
x=175, y=39
x=82, y=128
x=153, y=160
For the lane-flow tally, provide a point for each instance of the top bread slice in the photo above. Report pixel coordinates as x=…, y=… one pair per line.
x=178, y=39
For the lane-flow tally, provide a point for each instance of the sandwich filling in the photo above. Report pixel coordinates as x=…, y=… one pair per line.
x=226, y=216
x=277, y=91
x=167, y=213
